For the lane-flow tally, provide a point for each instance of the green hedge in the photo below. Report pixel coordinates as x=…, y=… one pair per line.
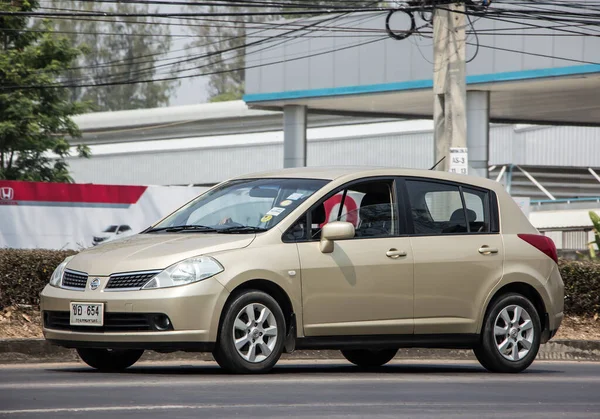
x=23, y=274
x=582, y=287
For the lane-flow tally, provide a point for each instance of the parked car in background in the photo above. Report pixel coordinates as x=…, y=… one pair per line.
x=272, y=262
x=112, y=232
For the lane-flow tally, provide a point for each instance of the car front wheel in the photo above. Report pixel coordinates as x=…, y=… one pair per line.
x=252, y=334
x=368, y=358
x=109, y=360
x=510, y=337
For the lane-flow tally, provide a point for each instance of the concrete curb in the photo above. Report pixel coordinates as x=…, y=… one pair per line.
x=14, y=351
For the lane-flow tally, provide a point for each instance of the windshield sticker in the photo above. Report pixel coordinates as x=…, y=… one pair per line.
x=295, y=196
x=266, y=219
x=285, y=203
x=275, y=211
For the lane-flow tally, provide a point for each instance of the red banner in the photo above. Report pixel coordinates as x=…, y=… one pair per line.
x=67, y=194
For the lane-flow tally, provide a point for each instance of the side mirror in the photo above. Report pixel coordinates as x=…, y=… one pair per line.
x=337, y=230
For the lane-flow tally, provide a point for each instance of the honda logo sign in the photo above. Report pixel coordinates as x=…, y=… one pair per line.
x=7, y=194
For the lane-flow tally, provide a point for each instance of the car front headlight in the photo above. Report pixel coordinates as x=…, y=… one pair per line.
x=56, y=278
x=185, y=272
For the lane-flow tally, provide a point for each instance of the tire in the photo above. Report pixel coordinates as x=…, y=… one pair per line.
x=107, y=360
x=261, y=343
x=368, y=358
x=514, y=341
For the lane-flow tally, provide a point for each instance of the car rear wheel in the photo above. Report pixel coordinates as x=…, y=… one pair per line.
x=252, y=334
x=109, y=360
x=369, y=358
x=510, y=337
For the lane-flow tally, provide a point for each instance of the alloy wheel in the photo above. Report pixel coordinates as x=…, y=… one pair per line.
x=255, y=332
x=513, y=332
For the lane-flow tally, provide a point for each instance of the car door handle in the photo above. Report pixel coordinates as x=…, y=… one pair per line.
x=395, y=254
x=486, y=250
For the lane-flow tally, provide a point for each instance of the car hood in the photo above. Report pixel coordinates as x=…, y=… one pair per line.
x=153, y=251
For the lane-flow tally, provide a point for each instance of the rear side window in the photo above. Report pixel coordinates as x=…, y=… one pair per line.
x=444, y=208
x=477, y=204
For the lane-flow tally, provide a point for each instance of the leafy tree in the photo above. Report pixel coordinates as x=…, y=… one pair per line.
x=596, y=223
x=225, y=57
x=35, y=119
x=118, y=49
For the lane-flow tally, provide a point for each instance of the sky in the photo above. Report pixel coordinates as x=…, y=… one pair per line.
x=193, y=90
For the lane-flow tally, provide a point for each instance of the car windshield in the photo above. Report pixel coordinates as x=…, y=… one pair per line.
x=241, y=206
x=110, y=229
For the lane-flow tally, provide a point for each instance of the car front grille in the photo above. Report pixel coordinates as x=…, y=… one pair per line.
x=99, y=239
x=74, y=279
x=133, y=280
x=113, y=322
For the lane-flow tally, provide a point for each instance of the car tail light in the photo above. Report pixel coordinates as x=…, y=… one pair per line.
x=542, y=243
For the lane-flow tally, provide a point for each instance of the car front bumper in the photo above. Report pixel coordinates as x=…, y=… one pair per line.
x=193, y=311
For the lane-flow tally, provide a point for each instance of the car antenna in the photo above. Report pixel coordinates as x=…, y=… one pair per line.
x=435, y=165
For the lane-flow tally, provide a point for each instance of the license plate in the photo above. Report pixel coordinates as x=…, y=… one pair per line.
x=87, y=314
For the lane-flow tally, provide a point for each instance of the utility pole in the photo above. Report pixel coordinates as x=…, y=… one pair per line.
x=449, y=109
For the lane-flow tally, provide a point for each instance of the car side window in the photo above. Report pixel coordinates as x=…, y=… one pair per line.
x=477, y=203
x=369, y=206
x=442, y=208
x=298, y=230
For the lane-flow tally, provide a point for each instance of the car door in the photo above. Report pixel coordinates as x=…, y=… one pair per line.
x=458, y=254
x=365, y=286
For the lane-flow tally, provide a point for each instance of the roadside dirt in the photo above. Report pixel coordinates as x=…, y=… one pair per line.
x=579, y=328
x=22, y=323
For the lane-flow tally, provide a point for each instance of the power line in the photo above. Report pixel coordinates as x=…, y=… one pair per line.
x=216, y=53
x=235, y=3
x=535, y=54
x=345, y=34
x=184, y=15
x=50, y=86
x=533, y=25
x=497, y=14
x=313, y=26
x=476, y=39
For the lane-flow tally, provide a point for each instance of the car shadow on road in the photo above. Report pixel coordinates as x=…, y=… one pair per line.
x=209, y=369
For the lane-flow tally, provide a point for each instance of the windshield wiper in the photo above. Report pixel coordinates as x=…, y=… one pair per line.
x=241, y=229
x=174, y=229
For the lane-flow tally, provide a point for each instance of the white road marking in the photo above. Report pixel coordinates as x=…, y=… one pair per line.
x=311, y=380
x=286, y=362
x=491, y=406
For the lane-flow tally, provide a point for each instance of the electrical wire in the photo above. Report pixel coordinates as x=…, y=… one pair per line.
x=61, y=85
x=404, y=34
x=571, y=23
x=535, y=54
x=183, y=15
x=235, y=3
x=500, y=19
x=314, y=25
x=476, y=40
x=208, y=55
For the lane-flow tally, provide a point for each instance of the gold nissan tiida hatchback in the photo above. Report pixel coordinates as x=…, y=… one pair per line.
x=361, y=260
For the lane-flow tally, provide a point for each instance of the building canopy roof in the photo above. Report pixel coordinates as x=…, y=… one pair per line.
x=534, y=76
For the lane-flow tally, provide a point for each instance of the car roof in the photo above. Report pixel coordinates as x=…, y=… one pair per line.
x=357, y=172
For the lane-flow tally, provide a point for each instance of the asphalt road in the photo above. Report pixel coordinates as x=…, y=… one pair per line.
x=416, y=389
